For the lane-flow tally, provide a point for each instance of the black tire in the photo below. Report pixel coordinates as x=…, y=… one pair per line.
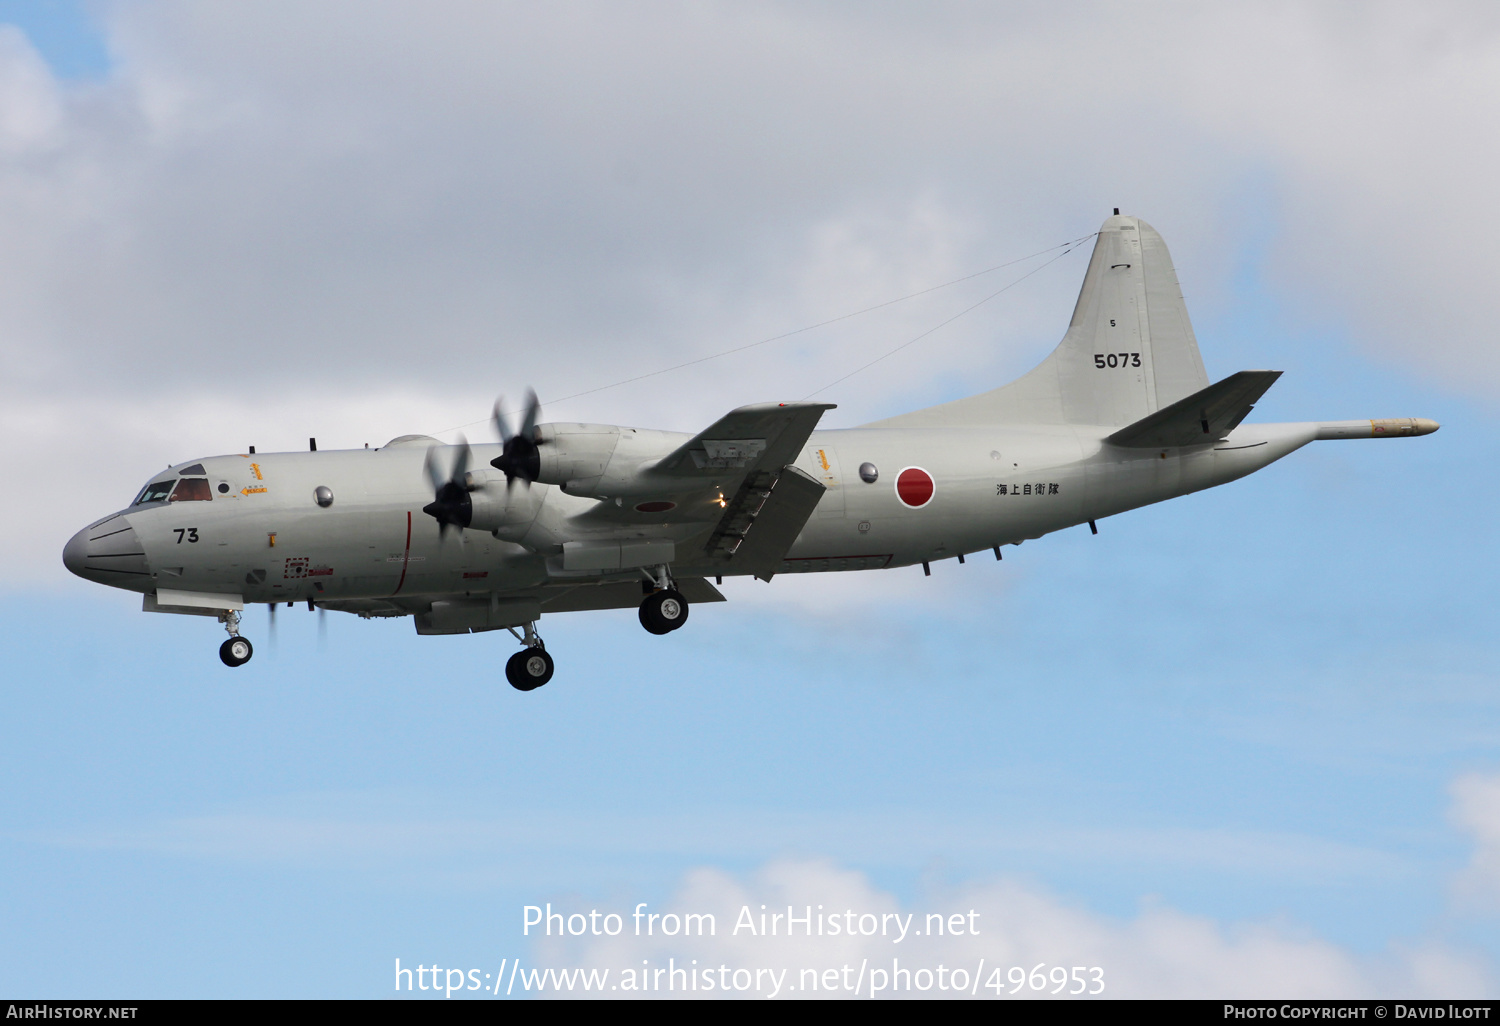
x=529, y=669
x=236, y=651
x=664, y=612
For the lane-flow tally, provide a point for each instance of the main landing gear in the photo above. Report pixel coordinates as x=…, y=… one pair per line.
x=664, y=609
x=531, y=667
x=237, y=650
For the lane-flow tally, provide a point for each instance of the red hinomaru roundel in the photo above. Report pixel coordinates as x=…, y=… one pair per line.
x=914, y=487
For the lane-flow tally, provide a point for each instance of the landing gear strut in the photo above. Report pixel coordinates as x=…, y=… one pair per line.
x=237, y=650
x=664, y=609
x=531, y=667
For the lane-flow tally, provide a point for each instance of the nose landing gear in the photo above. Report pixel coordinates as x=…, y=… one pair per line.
x=531, y=667
x=237, y=650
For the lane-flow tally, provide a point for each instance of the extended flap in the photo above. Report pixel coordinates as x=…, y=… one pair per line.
x=763, y=520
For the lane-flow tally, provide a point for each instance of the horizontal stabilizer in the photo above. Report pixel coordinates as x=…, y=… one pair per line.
x=1204, y=416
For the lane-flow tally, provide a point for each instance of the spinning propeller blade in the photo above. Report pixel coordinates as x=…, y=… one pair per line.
x=498, y=418
x=451, y=506
x=533, y=412
x=520, y=457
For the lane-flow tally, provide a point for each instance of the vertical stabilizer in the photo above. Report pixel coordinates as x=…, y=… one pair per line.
x=1129, y=350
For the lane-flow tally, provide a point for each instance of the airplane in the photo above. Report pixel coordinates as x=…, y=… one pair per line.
x=564, y=517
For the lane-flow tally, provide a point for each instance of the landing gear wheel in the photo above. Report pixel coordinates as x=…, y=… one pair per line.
x=236, y=651
x=664, y=611
x=529, y=669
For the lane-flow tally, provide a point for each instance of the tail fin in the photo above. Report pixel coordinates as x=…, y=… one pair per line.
x=1129, y=350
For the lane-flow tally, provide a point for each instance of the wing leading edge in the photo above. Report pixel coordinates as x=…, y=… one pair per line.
x=765, y=436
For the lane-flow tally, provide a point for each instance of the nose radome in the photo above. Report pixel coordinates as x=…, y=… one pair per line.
x=108, y=552
x=75, y=551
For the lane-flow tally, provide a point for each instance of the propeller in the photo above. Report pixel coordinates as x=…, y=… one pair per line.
x=520, y=458
x=451, y=505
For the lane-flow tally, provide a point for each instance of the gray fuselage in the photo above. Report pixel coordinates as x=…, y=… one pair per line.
x=262, y=534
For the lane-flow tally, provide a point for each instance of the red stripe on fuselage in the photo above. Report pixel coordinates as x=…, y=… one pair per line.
x=405, y=555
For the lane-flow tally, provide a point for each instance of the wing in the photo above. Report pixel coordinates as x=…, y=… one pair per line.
x=766, y=436
x=620, y=595
x=697, y=481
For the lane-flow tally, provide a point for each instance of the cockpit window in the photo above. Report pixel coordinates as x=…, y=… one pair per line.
x=196, y=468
x=191, y=489
x=156, y=491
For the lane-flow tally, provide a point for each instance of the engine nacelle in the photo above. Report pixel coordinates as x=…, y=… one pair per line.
x=571, y=452
x=602, y=461
x=506, y=512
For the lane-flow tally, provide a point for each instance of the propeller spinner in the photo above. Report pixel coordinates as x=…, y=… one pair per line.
x=520, y=458
x=451, y=506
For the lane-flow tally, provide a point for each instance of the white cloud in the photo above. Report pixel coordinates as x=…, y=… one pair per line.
x=1476, y=810
x=432, y=842
x=301, y=215
x=1160, y=953
x=570, y=194
x=30, y=105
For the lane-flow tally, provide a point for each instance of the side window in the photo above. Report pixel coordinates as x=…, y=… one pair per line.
x=191, y=489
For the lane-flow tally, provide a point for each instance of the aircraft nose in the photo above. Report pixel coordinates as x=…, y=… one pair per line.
x=108, y=552
x=75, y=553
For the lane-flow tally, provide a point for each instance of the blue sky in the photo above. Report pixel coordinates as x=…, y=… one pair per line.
x=1248, y=706
x=65, y=34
